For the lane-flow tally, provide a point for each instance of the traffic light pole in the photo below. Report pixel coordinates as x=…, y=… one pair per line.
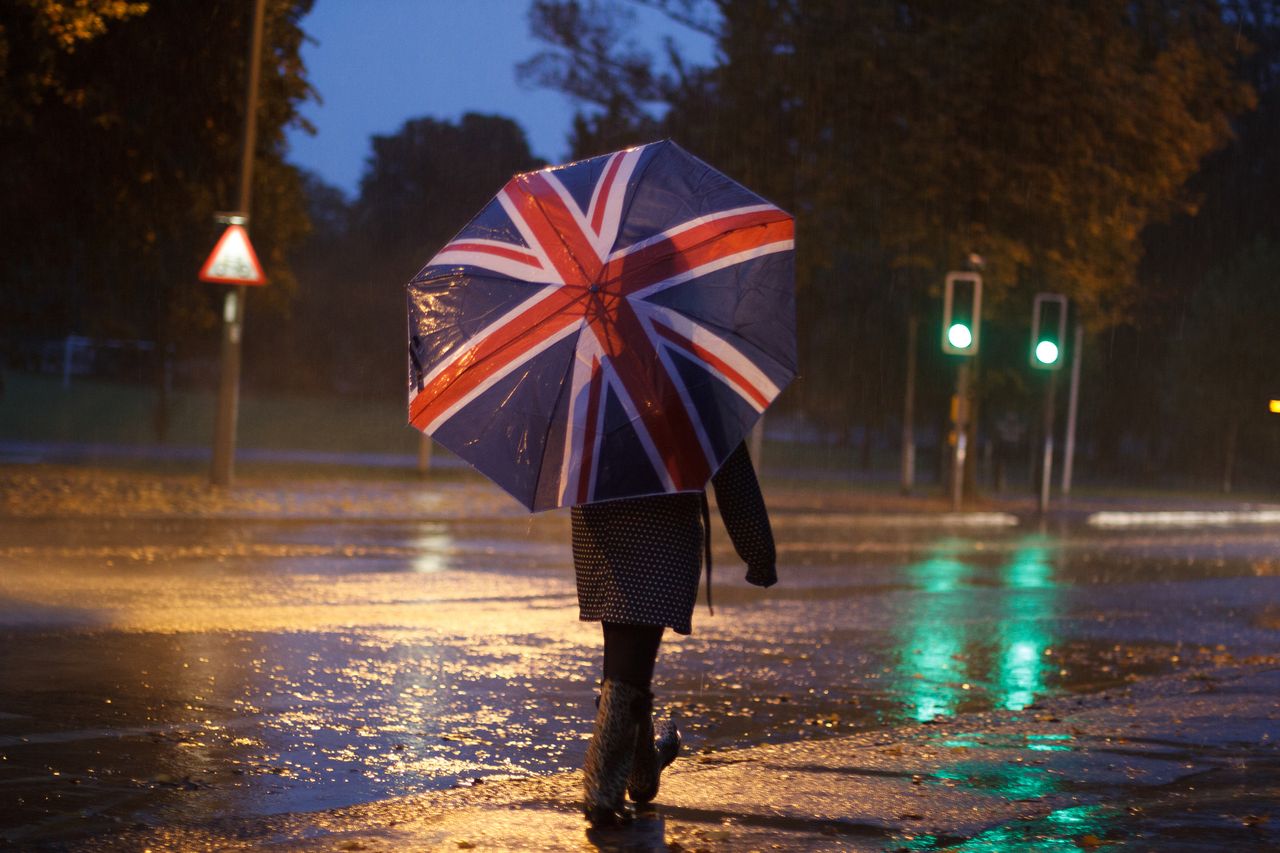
x=961, y=422
x=1073, y=406
x=960, y=336
x=224, y=435
x=1046, y=468
x=909, y=409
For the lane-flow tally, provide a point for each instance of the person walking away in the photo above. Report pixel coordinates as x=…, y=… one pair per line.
x=637, y=563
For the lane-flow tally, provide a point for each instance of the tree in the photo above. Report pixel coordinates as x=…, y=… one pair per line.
x=1227, y=365
x=121, y=150
x=420, y=186
x=1146, y=389
x=36, y=39
x=906, y=135
x=297, y=353
x=591, y=58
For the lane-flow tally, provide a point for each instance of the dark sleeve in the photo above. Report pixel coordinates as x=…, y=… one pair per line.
x=742, y=508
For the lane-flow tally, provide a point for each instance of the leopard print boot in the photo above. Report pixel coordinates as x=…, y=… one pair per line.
x=610, y=753
x=652, y=755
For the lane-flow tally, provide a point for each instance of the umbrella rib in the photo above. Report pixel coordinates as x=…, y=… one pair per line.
x=720, y=236
x=565, y=382
x=728, y=334
x=563, y=290
x=508, y=363
x=544, y=211
x=726, y=331
x=503, y=349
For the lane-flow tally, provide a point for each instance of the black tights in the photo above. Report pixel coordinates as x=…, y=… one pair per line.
x=630, y=652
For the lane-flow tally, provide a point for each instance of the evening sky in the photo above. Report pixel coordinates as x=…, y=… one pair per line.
x=377, y=63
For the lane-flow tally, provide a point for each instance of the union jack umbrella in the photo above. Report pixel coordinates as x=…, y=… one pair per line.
x=603, y=329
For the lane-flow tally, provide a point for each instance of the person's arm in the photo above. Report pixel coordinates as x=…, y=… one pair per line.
x=742, y=508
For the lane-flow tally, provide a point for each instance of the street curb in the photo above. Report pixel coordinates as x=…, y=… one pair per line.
x=900, y=519
x=1184, y=518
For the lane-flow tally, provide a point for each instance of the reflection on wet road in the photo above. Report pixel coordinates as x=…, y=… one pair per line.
x=1008, y=656
x=178, y=670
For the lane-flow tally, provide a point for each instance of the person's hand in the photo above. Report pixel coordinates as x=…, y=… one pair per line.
x=762, y=575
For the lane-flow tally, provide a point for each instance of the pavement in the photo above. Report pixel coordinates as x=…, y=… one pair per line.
x=88, y=453
x=873, y=502
x=1185, y=761
x=1181, y=763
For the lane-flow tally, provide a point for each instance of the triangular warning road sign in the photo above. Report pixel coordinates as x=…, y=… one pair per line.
x=233, y=260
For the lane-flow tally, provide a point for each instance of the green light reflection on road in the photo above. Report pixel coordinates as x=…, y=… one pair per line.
x=1063, y=829
x=1023, y=639
x=1048, y=743
x=945, y=652
x=933, y=640
x=1011, y=781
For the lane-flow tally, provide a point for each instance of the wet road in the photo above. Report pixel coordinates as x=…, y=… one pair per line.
x=170, y=670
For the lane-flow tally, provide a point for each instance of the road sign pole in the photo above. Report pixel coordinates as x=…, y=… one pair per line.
x=424, y=454
x=224, y=432
x=224, y=437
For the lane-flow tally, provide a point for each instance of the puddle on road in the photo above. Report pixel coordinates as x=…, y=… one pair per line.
x=101, y=727
x=164, y=681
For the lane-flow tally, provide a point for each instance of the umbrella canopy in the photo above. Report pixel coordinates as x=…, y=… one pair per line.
x=607, y=328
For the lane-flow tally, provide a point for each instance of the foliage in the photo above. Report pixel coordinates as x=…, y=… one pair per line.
x=110, y=188
x=420, y=185
x=1227, y=366
x=35, y=38
x=1152, y=390
x=1044, y=137
x=591, y=58
x=423, y=182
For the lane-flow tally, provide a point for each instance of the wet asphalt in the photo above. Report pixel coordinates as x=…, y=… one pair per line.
x=321, y=646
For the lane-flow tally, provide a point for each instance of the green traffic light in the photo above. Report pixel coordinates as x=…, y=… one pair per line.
x=1047, y=352
x=959, y=336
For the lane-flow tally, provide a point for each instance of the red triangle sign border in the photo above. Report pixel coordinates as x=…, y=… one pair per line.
x=233, y=260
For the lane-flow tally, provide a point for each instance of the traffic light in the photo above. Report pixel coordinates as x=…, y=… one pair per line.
x=1048, y=330
x=962, y=313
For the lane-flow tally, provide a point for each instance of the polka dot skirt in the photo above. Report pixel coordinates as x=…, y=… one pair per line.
x=637, y=560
